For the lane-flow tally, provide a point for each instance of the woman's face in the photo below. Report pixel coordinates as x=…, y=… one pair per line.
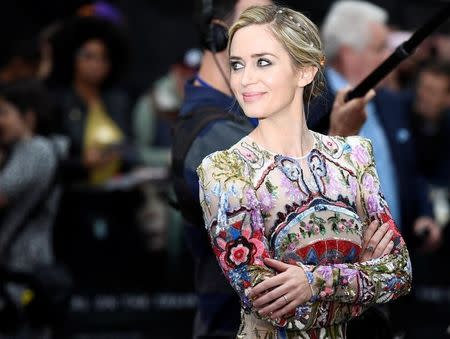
x=263, y=77
x=92, y=63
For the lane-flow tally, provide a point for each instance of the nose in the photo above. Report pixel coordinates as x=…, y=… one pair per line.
x=248, y=76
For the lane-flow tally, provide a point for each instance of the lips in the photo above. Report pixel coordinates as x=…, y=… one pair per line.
x=252, y=96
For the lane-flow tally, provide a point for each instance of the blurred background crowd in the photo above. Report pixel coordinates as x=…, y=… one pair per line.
x=89, y=93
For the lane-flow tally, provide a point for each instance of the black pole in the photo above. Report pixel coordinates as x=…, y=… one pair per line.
x=401, y=53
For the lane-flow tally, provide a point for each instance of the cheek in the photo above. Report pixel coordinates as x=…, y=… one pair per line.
x=280, y=85
x=82, y=66
x=235, y=82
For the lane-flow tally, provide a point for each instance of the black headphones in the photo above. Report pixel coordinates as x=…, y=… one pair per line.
x=214, y=34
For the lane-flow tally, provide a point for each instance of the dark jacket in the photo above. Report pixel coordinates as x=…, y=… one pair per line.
x=71, y=122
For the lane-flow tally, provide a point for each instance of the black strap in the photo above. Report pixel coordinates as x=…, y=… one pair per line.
x=186, y=130
x=188, y=127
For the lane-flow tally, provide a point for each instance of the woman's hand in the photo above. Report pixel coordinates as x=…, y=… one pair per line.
x=285, y=291
x=377, y=241
x=98, y=158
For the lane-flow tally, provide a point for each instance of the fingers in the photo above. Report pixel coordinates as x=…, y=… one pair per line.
x=370, y=232
x=370, y=247
x=388, y=248
x=266, y=285
x=286, y=309
x=270, y=296
x=278, y=265
x=340, y=96
x=347, y=117
x=369, y=96
x=276, y=304
x=384, y=242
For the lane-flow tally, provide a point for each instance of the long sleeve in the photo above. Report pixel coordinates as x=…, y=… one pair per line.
x=376, y=281
x=234, y=222
x=28, y=172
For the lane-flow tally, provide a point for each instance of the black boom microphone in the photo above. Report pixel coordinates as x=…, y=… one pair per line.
x=401, y=53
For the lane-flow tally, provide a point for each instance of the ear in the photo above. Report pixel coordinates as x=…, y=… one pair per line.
x=306, y=76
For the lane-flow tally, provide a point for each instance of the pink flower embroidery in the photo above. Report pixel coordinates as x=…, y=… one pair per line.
x=249, y=155
x=245, y=247
x=267, y=200
x=291, y=189
x=333, y=184
x=353, y=186
x=361, y=155
x=369, y=183
x=239, y=254
x=327, y=291
x=373, y=205
x=331, y=145
x=325, y=272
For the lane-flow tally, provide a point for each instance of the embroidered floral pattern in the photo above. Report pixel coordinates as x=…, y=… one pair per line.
x=312, y=210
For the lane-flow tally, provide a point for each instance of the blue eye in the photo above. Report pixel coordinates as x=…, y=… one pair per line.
x=236, y=65
x=263, y=62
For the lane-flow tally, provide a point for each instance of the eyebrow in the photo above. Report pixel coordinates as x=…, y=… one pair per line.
x=257, y=55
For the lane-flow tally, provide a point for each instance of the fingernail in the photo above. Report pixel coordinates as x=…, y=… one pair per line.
x=390, y=232
x=385, y=226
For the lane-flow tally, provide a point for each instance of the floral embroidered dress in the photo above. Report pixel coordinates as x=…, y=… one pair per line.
x=312, y=212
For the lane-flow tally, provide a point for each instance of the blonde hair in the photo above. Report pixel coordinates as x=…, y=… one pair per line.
x=298, y=35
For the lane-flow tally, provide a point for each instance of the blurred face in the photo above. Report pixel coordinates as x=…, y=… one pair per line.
x=360, y=63
x=432, y=94
x=12, y=124
x=92, y=63
x=263, y=77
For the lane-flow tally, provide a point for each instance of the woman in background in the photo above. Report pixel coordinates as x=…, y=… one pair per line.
x=89, y=56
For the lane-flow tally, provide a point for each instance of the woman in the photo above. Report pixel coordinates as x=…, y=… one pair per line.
x=29, y=198
x=286, y=208
x=90, y=55
x=27, y=176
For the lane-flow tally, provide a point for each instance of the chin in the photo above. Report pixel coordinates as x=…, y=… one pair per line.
x=254, y=111
x=255, y=114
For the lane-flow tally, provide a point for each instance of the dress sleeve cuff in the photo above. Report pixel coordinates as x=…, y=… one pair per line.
x=308, y=269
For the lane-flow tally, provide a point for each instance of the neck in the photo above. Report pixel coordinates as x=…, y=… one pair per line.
x=286, y=132
x=88, y=92
x=210, y=72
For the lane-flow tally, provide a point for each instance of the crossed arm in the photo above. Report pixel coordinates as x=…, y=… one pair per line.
x=327, y=294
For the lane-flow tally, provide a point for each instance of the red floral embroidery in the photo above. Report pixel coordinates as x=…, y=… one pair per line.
x=239, y=252
x=239, y=245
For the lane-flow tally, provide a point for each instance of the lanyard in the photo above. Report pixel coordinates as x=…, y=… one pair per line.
x=203, y=82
